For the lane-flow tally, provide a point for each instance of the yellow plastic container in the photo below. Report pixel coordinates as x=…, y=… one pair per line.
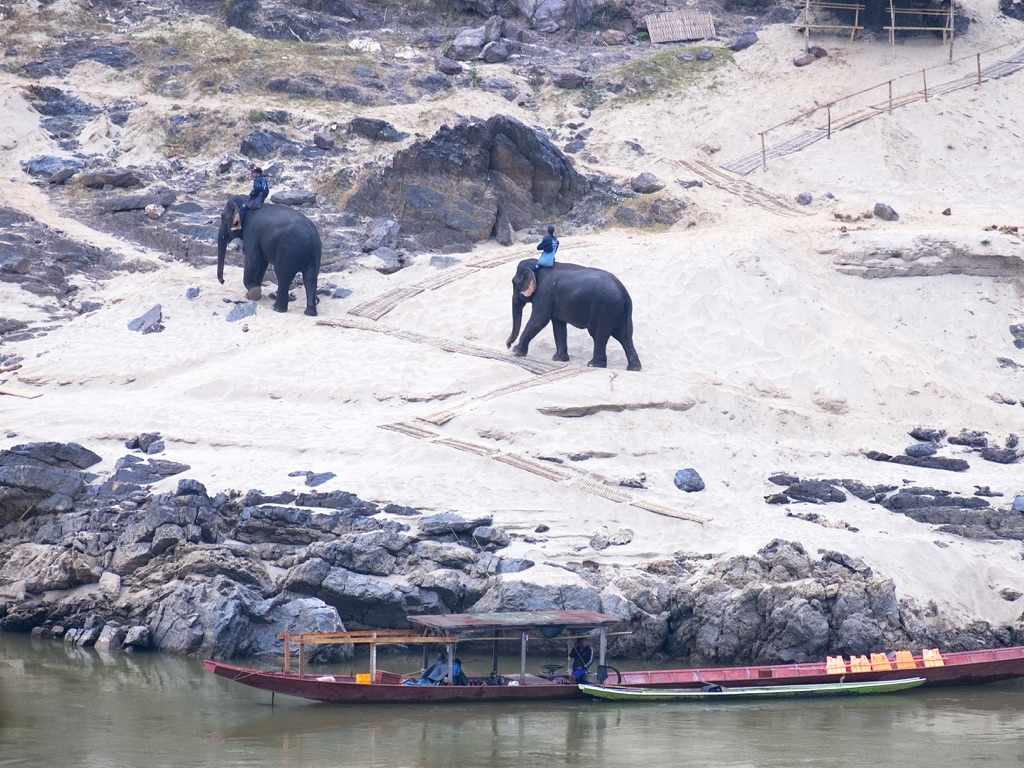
x=363, y=679
x=905, y=660
x=932, y=657
x=834, y=665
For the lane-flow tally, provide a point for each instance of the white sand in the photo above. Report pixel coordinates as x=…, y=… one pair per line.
x=759, y=355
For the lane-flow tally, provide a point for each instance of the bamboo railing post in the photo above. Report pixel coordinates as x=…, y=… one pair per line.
x=287, y=651
x=890, y=97
x=302, y=657
x=764, y=154
x=828, y=108
x=979, y=69
x=924, y=77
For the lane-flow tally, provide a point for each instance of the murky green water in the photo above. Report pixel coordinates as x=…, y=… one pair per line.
x=80, y=709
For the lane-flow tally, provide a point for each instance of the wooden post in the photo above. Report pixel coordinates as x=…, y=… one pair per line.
x=979, y=69
x=892, y=22
x=828, y=109
x=807, y=26
x=764, y=154
x=494, y=658
x=449, y=649
x=302, y=656
x=603, y=646
x=373, y=662
x=890, y=97
x=924, y=76
x=287, y=651
x=522, y=658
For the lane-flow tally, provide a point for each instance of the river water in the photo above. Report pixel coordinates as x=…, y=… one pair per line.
x=83, y=709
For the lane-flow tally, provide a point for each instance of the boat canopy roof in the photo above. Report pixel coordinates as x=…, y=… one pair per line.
x=516, y=620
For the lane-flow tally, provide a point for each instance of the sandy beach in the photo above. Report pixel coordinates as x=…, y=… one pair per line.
x=762, y=350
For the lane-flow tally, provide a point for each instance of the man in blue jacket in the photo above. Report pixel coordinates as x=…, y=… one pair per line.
x=547, y=248
x=260, y=190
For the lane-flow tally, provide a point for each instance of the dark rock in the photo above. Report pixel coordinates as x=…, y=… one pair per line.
x=743, y=40
x=448, y=66
x=815, y=492
x=450, y=523
x=49, y=454
x=920, y=450
x=323, y=140
x=817, y=51
x=241, y=310
x=188, y=487
x=375, y=129
x=804, y=198
x=151, y=322
x=999, y=455
x=646, y=183
x=927, y=435
x=294, y=197
x=132, y=469
x=262, y=144
x=569, y=79
x=782, y=478
x=883, y=211
x=116, y=177
x=970, y=438
x=688, y=480
x=136, y=202
x=705, y=54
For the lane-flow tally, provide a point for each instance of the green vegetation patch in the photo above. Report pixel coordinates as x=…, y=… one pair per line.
x=667, y=71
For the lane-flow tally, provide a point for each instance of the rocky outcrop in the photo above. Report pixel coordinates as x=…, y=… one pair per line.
x=887, y=253
x=224, y=576
x=449, y=192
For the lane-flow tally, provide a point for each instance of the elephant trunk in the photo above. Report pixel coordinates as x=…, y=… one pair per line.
x=517, y=318
x=222, y=247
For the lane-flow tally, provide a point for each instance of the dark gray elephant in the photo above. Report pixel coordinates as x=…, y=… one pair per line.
x=272, y=234
x=579, y=296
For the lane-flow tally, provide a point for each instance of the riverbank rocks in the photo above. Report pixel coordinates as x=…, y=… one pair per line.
x=222, y=576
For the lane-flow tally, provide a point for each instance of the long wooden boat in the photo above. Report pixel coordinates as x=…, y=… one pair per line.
x=935, y=668
x=960, y=668
x=433, y=684
x=718, y=693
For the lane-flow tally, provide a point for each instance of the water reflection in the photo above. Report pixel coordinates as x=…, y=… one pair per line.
x=62, y=707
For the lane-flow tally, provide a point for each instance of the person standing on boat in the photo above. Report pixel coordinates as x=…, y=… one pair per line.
x=581, y=657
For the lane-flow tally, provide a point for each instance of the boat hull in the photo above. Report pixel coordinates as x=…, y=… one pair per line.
x=342, y=689
x=962, y=668
x=614, y=693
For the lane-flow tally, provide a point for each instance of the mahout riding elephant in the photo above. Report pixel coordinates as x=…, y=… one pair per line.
x=272, y=234
x=579, y=296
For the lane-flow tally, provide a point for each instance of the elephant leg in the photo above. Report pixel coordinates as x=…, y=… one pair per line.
x=252, y=276
x=600, y=358
x=309, y=283
x=533, y=327
x=561, y=341
x=632, y=358
x=285, y=275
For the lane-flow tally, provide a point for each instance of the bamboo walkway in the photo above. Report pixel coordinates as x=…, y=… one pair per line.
x=749, y=163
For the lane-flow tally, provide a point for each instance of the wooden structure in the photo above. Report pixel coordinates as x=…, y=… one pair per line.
x=819, y=14
x=679, y=26
x=927, y=20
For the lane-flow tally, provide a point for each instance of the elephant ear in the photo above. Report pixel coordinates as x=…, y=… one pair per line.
x=529, y=283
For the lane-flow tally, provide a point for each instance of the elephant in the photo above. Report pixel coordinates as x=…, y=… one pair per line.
x=580, y=296
x=272, y=234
